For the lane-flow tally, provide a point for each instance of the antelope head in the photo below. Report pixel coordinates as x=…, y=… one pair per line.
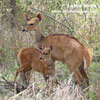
x=46, y=55
x=32, y=23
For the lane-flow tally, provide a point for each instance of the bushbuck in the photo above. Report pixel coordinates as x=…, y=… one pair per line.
x=46, y=56
x=29, y=58
x=65, y=48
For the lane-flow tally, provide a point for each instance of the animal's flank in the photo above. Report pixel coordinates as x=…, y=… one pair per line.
x=20, y=55
x=66, y=36
x=77, y=41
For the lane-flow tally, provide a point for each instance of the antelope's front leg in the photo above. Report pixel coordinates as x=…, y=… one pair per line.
x=55, y=81
x=47, y=84
x=47, y=81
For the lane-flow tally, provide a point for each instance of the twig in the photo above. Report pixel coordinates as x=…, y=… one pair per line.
x=2, y=82
x=17, y=95
x=10, y=85
x=72, y=31
x=6, y=80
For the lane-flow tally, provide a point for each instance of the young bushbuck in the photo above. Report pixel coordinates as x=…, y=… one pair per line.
x=65, y=48
x=29, y=58
x=46, y=56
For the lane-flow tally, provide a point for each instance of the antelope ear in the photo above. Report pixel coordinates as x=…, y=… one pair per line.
x=39, y=16
x=51, y=47
x=40, y=47
x=27, y=17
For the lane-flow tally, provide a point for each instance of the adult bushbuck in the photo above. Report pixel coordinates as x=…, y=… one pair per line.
x=47, y=55
x=65, y=48
x=29, y=58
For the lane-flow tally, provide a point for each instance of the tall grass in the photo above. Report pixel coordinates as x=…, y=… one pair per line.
x=37, y=91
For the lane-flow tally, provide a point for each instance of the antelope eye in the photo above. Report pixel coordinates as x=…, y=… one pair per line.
x=31, y=24
x=46, y=53
x=28, y=19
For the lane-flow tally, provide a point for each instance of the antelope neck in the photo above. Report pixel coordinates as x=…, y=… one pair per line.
x=49, y=62
x=38, y=35
x=41, y=37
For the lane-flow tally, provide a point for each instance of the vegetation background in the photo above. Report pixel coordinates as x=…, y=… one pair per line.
x=78, y=18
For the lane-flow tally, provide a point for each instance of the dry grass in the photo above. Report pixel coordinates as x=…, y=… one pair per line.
x=37, y=91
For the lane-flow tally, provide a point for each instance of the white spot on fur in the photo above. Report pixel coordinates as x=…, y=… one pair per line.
x=85, y=65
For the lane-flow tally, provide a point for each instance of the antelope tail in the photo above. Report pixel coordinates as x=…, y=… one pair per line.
x=85, y=63
x=87, y=58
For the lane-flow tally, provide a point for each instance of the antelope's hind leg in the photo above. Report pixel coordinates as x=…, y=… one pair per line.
x=77, y=76
x=85, y=76
x=23, y=69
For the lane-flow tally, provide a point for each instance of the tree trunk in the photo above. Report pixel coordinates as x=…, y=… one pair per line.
x=12, y=5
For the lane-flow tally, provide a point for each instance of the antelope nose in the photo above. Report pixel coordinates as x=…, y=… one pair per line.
x=40, y=58
x=23, y=30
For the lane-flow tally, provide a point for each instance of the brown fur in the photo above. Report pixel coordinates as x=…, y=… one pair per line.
x=29, y=58
x=65, y=48
x=88, y=56
x=66, y=36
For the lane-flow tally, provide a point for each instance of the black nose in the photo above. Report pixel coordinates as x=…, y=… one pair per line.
x=40, y=58
x=23, y=30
